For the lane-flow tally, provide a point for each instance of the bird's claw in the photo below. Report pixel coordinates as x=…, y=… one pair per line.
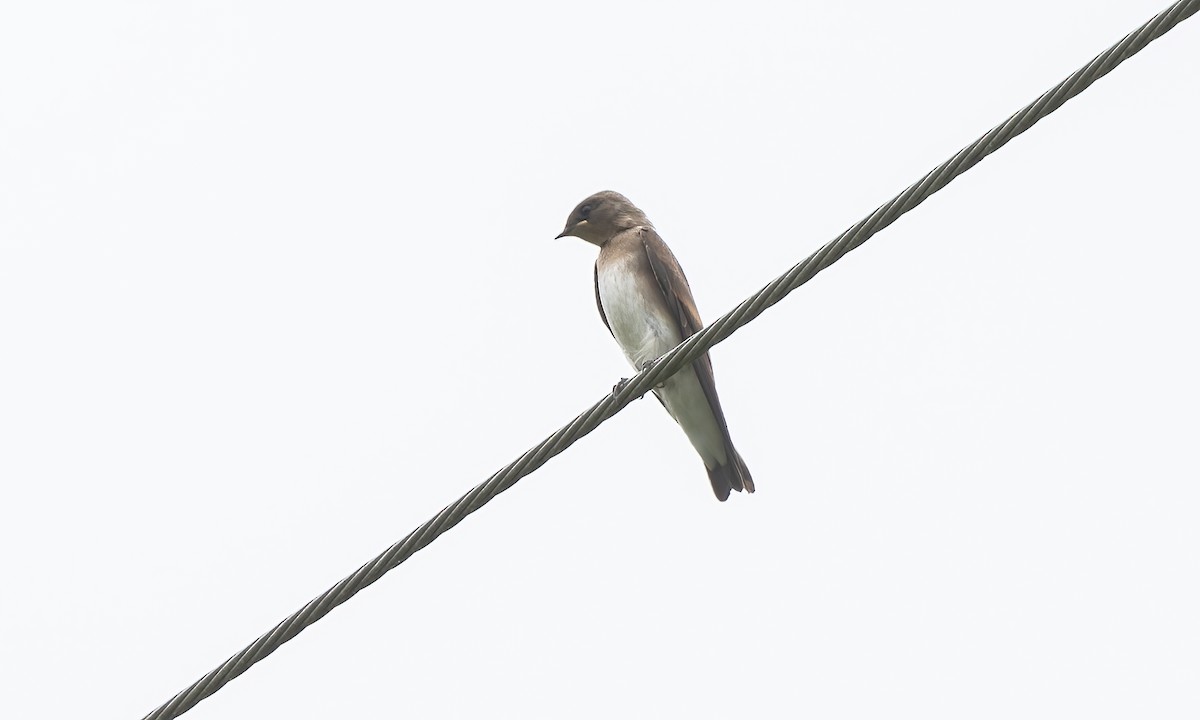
x=625, y=381
x=621, y=386
x=646, y=366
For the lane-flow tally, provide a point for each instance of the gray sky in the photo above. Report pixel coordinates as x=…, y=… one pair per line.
x=278, y=281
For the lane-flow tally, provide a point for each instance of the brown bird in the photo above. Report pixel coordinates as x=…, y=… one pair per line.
x=646, y=303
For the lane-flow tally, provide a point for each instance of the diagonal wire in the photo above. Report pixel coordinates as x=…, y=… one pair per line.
x=677, y=358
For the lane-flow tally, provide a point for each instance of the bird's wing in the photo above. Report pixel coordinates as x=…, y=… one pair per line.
x=679, y=299
x=600, y=305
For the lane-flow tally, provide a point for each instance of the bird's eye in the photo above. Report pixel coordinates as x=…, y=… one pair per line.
x=585, y=211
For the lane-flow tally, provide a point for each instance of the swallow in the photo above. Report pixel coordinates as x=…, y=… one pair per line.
x=646, y=303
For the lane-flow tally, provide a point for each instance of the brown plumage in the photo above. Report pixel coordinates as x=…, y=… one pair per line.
x=647, y=294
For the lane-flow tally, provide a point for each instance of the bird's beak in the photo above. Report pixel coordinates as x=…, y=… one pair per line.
x=570, y=229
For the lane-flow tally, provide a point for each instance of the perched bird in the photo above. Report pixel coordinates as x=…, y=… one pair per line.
x=645, y=302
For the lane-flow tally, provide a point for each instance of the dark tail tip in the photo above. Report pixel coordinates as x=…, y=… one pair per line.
x=730, y=476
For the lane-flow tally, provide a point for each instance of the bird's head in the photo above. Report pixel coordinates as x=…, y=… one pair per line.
x=601, y=216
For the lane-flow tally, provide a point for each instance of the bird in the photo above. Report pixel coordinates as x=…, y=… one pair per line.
x=646, y=303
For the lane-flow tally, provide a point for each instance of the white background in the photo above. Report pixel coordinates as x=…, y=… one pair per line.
x=278, y=282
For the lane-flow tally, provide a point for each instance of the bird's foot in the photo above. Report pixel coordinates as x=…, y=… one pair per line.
x=625, y=381
x=621, y=386
x=646, y=366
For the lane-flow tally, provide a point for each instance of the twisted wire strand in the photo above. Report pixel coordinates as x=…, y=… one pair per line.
x=682, y=355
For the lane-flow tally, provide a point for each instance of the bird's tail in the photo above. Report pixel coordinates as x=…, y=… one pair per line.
x=733, y=475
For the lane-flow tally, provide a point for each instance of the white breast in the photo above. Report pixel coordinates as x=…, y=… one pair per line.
x=638, y=317
x=638, y=320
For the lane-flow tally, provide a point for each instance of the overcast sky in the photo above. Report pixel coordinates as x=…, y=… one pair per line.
x=278, y=281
